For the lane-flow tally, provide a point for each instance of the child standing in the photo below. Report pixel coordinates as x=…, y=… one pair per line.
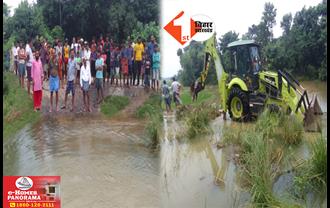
x=117, y=66
x=124, y=64
x=60, y=68
x=78, y=64
x=147, y=69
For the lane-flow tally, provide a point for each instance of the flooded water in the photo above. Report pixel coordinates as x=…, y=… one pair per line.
x=104, y=162
x=101, y=162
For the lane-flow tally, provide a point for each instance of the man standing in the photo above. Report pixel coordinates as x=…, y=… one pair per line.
x=93, y=59
x=29, y=64
x=71, y=76
x=130, y=61
x=37, y=77
x=99, y=77
x=58, y=48
x=85, y=81
x=54, y=81
x=156, y=68
x=107, y=47
x=138, y=54
x=176, y=87
x=15, y=55
x=66, y=57
x=21, y=65
x=43, y=57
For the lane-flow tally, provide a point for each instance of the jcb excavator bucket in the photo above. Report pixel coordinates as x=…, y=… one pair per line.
x=312, y=120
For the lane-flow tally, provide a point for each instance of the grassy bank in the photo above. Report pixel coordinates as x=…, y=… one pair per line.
x=113, y=104
x=209, y=95
x=151, y=110
x=17, y=106
x=262, y=151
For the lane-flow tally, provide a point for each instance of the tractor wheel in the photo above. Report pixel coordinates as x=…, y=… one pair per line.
x=238, y=105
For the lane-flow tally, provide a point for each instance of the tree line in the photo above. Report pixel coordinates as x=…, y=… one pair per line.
x=51, y=19
x=301, y=49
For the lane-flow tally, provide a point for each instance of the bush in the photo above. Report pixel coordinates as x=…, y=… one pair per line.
x=150, y=108
x=290, y=130
x=312, y=176
x=197, y=122
x=153, y=131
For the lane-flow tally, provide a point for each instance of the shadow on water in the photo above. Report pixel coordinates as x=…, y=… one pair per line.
x=195, y=173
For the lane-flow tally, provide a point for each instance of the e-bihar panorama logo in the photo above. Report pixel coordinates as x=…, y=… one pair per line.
x=24, y=183
x=199, y=27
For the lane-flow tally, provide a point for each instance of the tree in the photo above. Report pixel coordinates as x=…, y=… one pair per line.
x=226, y=39
x=263, y=32
x=5, y=10
x=286, y=23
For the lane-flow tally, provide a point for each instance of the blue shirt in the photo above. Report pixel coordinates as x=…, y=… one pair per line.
x=156, y=61
x=129, y=54
x=150, y=48
x=99, y=63
x=71, y=69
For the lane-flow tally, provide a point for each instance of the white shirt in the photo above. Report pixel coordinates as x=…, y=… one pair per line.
x=58, y=49
x=175, y=86
x=85, y=74
x=14, y=50
x=28, y=51
x=87, y=54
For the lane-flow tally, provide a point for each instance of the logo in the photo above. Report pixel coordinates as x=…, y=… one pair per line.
x=24, y=183
x=198, y=27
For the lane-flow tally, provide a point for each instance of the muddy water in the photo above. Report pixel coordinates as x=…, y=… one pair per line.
x=104, y=163
x=189, y=169
x=101, y=162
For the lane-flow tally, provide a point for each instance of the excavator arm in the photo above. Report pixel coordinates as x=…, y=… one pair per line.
x=211, y=53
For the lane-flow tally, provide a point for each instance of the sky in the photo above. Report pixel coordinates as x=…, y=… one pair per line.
x=236, y=15
x=14, y=4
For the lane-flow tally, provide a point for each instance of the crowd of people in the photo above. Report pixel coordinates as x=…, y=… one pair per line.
x=86, y=64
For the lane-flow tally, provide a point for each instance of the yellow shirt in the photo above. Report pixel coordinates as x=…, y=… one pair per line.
x=138, y=50
x=66, y=52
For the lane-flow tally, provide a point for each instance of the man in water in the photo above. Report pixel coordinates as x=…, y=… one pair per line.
x=167, y=96
x=176, y=87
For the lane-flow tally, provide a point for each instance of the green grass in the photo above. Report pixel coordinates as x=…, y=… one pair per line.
x=261, y=153
x=17, y=106
x=197, y=122
x=209, y=95
x=153, y=131
x=312, y=176
x=113, y=104
x=150, y=108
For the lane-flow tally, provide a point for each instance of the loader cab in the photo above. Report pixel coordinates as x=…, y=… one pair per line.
x=243, y=59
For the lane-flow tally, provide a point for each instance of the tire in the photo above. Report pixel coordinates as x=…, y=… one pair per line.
x=238, y=105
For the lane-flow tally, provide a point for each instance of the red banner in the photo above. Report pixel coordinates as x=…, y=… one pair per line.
x=31, y=191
